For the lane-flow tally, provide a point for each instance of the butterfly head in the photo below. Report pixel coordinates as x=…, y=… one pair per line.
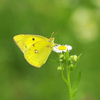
x=51, y=40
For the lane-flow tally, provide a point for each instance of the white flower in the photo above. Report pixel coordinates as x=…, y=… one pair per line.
x=62, y=48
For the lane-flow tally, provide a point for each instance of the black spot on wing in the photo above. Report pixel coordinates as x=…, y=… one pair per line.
x=33, y=39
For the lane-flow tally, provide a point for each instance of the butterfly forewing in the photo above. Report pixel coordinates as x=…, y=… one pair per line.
x=25, y=41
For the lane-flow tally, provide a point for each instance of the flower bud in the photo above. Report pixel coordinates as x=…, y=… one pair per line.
x=61, y=60
x=61, y=56
x=71, y=66
x=59, y=68
x=73, y=58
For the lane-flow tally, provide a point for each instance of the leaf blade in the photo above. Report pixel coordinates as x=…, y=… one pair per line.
x=76, y=85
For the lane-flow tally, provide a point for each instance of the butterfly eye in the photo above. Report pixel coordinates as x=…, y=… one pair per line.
x=33, y=39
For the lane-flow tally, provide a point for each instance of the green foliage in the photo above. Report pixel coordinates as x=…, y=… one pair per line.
x=76, y=85
x=68, y=61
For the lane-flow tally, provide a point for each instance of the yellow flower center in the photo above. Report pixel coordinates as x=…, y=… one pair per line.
x=62, y=47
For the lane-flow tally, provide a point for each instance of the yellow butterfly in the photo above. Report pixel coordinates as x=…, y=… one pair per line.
x=36, y=48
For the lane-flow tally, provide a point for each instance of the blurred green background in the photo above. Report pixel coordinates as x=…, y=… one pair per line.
x=79, y=22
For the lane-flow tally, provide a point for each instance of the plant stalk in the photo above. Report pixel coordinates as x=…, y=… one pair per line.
x=69, y=85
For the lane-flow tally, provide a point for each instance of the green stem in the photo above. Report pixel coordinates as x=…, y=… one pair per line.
x=61, y=64
x=67, y=80
x=64, y=78
x=69, y=83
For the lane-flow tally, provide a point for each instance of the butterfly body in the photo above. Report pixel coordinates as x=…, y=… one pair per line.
x=36, y=48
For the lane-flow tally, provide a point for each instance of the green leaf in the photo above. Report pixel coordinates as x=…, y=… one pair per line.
x=76, y=85
x=77, y=61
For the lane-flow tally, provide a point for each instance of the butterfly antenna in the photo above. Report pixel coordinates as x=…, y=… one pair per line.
x=53, y=34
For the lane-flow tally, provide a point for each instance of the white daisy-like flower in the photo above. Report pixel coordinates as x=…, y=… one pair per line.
x=62, y=48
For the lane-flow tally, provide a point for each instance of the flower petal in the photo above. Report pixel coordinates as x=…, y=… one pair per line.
x=55, y=48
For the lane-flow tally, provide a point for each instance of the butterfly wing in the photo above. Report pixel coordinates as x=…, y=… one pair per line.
x=36, y=48
x=24, y=41
x=38, y=55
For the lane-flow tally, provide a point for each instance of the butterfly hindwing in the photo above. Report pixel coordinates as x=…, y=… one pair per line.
x=38, y=54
